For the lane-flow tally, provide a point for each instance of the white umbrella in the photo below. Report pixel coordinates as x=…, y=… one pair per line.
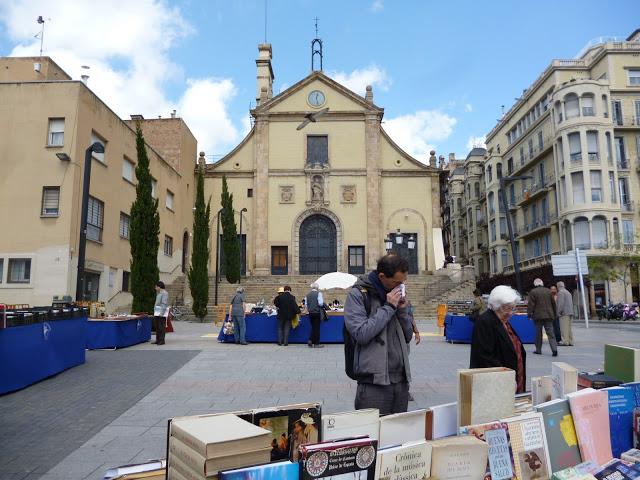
x=336, y=280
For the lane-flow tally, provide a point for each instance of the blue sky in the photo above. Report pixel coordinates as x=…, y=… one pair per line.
x=441, y=70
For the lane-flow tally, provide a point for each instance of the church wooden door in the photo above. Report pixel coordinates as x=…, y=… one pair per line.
x=318, y=251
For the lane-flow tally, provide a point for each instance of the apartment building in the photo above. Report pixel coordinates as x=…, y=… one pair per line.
x=48, y=121
x=574, y=134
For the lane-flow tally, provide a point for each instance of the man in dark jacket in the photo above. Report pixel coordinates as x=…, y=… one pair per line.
x=288, y=308
x=381, y=359
x=315, y=304
x=541, y=308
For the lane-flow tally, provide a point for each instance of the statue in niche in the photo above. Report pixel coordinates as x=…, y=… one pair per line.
x=317, y=190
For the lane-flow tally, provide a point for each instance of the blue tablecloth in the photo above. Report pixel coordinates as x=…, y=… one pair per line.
x=117, y=333
x=264, y=328
x=458, y=328
x=31, y=353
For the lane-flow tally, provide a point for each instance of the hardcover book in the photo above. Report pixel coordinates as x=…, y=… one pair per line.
x=631, y=455
x=271, y=471
x=596, y=380
x=590, y=410
x=621, y=405
x=541, y=389
x=290, y=427
x=560, y=433
x=442, y=421
x=636, y=427
x=622, y=362
x=485, y=395
x=351, y=458
x=617, y=470
x=351, y=424
x=402, y=428
x=584, y=470
x=529, y=445
x=496, y=434
x=410, y=460
x=565, y=379
x=459, y=458
x=211, y=466
x=219, y=435
x=635, y=388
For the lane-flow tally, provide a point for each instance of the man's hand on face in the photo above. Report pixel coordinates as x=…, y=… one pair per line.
x=394, y=297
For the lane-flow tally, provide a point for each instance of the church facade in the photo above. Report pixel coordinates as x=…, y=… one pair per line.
x=318, y=185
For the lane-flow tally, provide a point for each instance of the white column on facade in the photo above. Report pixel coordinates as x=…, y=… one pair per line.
x=260, y=221
x=374, y=207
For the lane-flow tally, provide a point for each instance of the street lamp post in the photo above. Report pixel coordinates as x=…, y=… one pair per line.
x=241, y=249
x=217, y=257
x=96, y=147
x=514, y=250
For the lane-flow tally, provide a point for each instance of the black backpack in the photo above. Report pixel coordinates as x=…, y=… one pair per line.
x=349, y=343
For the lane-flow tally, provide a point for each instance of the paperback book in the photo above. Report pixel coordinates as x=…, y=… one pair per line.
x=622, y=362
x=529, y=445
x=410, y=460
x=590, y=410
x=485, y=394
x=496, y=435
x=459, y=458
x=621, y=406
x=402, y=427
x=442, y=421
x=271, y=471
x=565, y=379
x=560, y=433
x=351, y=424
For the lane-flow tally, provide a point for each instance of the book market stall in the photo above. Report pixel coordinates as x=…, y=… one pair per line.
x=118, y=331
x=558, y=431
x=459, y=327
x=36, y=343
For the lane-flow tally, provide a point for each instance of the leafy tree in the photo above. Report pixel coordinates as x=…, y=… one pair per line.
x=198, y=274
x=230, y=242
x=144, y=230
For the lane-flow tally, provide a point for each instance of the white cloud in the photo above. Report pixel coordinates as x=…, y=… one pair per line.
x=127, y=45
x=468, y=107
x=418, y=133
x=474, y=142
x=358, y=79
x=376, y=6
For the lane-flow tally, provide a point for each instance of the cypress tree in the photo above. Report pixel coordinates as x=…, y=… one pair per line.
x=198, y=274
x=144, y=229
x=230, y=241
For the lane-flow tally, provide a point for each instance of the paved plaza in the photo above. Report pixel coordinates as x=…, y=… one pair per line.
x=114, y=409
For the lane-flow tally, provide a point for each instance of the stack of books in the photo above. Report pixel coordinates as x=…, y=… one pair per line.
x=199, y=447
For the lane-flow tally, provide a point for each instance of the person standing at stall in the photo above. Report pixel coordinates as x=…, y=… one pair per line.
x=315, y=303
x=288, y=308
x=541, y=308
x=160, y=312
x=237, y=313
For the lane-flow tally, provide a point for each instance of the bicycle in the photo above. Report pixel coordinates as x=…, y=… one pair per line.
x=178, y=311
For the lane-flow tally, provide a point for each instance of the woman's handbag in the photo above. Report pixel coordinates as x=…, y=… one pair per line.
x=227, y=328
x=295, y=321
x=323, y=315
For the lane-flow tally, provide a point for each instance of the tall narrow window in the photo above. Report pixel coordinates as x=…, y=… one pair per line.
x=571, y=105
x=154, y=188
x=636, y=120
x=492, y=229
x=575, y=150
x=510, y=166
x=490, y=198
x=609, y=149
x=356, y=259
x=540, y=140
x=605, y=106
x=504, y=258
x=317, y=149
x=577, y=185
x=616, y=233
x=279, y=260
x=530, y=147
x=96, y=138
x=168, y=246
x=125, y=222
x=621, y=153
x=625, y=195
x=128, y=169
x=596, y=186
x=560, y=150
x=628, y=232
x=582, y=235
x=634, y=77
x=56, y=132
x=476, y=189
x=499, y=170
x=587, y=106
x=592, y=147
x=95, y=219
x=169, y=201
x=616, y=108
x=612, y=187
x=50, y=202
x=599, y=229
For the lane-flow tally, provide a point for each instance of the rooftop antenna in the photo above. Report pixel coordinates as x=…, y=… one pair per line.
x=265, y=21
x=40, y=20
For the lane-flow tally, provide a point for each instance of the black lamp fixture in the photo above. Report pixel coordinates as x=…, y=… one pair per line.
x=388, y=244
x=411, y=243
x=399, y=237
x=96, y=147
x=63, y=156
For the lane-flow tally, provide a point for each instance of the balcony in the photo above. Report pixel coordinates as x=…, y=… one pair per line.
x=594, y=158
x=537, y=226
x=626, y=121
x=575, y=158
x=628, y=206
x=623, y=164
x=587, y=112
x=534, y=190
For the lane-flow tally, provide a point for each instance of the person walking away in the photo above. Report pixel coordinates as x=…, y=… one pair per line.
x=160, y=312
x=565, y=312
x=494, y=342
x=541, y=308
x=288, y=308
x=478, y=307
x=378, y=319
x=237, y=313
x=556, y=321
x=314, y=302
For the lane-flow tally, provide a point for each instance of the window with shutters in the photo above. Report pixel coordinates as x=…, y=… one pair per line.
x=628, y=232
x=575, y=149
x=128, y=169
x=168, y=246
x=592, y=146
x=96, y=138
x=50, y=202
x=1, y=269
x=596, y=186
x=95, y=219
x=125, y=222
x=634, y=77
x=56, y=132
x=356, y=259
x=169, y=201
x=317, y=149
x=19, y=270
x=577, y=185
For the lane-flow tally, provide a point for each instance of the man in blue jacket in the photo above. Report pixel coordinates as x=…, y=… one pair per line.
x=382, y=336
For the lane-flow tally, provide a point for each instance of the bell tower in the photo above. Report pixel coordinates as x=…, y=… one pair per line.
x=316, y=50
